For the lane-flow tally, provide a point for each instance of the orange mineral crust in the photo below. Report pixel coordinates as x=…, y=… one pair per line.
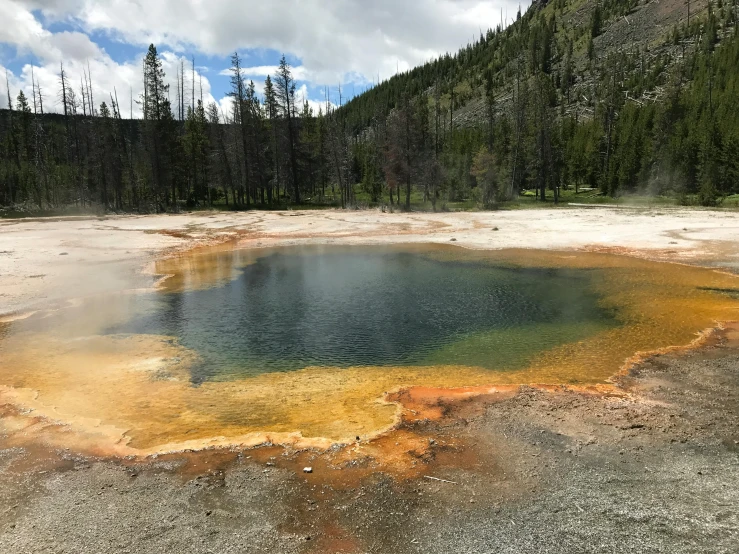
x=131, y=395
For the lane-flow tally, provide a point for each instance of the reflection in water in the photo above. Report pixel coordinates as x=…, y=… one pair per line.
x=373, y=307
x=308, y=340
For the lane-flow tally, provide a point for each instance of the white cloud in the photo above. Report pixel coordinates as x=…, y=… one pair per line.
x=333, y=39
x=71, y=46
x=342, y=41
x=259, y=73
x=300, y=73
x=302, y=95
x=19, y=28
x=108, y=78
x=225, y=106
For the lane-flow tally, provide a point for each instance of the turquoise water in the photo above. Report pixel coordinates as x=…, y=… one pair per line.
x=373, y=306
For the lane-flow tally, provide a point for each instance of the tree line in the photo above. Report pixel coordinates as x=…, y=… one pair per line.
x=537, y=107
x=540, y=107
x=265, y=152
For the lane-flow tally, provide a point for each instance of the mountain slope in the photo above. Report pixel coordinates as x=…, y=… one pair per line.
x=622, y=95
x=630, y=26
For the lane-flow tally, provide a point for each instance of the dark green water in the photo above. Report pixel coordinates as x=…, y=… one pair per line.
x=373, y=307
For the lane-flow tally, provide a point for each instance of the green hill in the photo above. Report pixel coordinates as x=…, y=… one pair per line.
x=575, y=99
x=623, y=96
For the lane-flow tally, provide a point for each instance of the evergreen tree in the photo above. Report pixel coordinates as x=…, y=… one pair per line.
x=241, y=117
x=157, y=118
x=660, y=119
x=285, y=96
x=485, y=173
x=271, y=107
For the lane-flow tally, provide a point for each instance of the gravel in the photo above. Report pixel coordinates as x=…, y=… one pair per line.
x=655, y=470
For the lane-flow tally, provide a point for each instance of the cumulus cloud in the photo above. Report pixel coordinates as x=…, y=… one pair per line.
x=302, y=96
x=109, y=78
x=299, y=72
x=331, y=38
x=22, y=30
x=336, y=42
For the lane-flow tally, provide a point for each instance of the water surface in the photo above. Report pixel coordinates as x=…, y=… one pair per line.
x=377, y=306
x=243, y=346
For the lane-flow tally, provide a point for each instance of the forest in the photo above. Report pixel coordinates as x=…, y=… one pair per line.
x=554, y=102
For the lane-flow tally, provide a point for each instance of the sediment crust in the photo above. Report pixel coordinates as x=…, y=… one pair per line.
x=131, y=395
x=650, y=467
x=643, y=463
x=52, y=260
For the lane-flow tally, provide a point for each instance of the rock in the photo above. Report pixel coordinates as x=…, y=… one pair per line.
x=307, y=470
x=452, y=240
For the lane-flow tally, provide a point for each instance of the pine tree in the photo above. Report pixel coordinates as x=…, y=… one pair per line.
x=484, y=171
x=401, y=149
x=221, y=153
x=270, y=104
x=157, y=116
x=490, y=109
x=238, y=94
x=285, y=96
x=596, y=21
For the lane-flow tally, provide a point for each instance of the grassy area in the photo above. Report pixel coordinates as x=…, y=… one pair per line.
x=526, y=200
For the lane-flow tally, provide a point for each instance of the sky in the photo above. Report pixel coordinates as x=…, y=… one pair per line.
x=328, y=43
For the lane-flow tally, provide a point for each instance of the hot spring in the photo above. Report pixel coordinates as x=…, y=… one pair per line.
x=235, y=345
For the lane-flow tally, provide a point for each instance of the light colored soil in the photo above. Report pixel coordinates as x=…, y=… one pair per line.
x=43, y=261
x=651, y=466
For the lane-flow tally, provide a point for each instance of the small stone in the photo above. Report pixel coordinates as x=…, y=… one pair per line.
x=63, y=254
x=307, y=470
x=452, y=240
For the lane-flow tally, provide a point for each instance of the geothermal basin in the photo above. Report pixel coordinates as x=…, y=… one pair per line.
x=366, y=347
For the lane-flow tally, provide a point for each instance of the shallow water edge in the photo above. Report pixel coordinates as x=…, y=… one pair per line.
x=131, y=395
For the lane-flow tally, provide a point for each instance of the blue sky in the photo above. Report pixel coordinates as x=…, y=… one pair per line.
x=347, y=42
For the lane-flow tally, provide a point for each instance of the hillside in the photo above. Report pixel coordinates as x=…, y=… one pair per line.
x=619, y=95
x=607, y=98
x=643, y=32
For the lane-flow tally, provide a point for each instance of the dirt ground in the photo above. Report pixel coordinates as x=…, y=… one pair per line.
x=43, y=261
x=650, y=465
